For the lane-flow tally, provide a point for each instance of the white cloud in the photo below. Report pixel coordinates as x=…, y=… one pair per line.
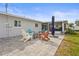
x=41, y=17
x=15, y=11
x=71, y=16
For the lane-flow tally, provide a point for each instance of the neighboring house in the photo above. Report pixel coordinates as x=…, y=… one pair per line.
x=76, y=26
x=10, y=25
x=77, y=23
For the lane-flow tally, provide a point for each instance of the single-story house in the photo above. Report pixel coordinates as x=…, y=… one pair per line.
x=11, y=25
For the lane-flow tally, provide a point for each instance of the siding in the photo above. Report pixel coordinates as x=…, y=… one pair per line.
x=15, y=31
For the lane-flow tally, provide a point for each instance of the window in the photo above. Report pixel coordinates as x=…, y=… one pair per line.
x=17, y=23
x=36, y=25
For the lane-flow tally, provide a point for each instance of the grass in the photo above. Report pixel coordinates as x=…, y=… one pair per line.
x=69, y=46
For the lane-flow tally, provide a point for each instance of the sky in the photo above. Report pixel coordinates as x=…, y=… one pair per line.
x=44, y=11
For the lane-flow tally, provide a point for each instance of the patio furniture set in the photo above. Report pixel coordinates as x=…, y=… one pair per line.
x=29, y=35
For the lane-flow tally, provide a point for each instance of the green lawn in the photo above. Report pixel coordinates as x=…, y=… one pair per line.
x=69, y=46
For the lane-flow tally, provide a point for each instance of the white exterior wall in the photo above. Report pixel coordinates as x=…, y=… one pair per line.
x=3, y=32
x=30, y=24
x=15, y=31
x=76, y=28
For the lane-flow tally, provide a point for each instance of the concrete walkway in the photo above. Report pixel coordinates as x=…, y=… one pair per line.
x=34, y=47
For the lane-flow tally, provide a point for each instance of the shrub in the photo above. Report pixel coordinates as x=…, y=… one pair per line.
x=70, y=31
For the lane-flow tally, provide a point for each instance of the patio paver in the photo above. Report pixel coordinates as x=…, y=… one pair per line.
x=15, y=47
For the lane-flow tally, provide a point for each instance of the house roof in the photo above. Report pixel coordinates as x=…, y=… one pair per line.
x=29, y=19
x=65, y=21
x=21, y=17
